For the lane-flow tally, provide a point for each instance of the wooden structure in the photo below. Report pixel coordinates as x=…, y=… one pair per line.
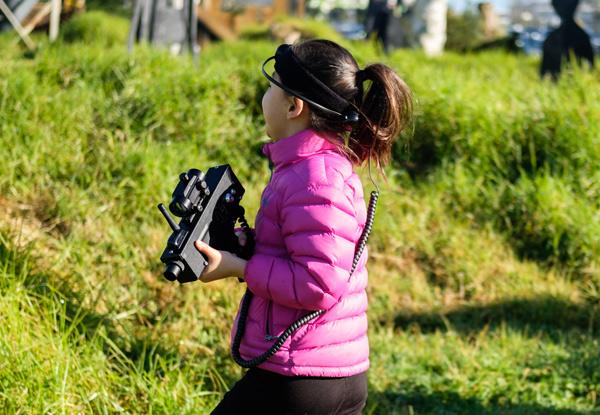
x=188, y=24
x=40, y=17
x=228, y=24
x=33, y=14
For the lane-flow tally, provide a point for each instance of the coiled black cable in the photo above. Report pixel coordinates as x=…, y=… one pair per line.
x=241, y=328
x=362, y=242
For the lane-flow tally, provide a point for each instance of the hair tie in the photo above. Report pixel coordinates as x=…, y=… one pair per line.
x=361, y=76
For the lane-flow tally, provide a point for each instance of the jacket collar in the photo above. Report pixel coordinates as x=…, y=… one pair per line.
x=296, y=147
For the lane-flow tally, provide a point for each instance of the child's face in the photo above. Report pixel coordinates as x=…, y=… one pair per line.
x=275, y=104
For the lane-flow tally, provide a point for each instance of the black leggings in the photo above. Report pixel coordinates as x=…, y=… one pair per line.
x=263, y=392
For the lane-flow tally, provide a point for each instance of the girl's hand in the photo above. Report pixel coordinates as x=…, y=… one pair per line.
x=221, y=264
x=242, y=237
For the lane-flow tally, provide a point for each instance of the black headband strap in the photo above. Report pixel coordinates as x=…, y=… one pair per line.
x=294, y=76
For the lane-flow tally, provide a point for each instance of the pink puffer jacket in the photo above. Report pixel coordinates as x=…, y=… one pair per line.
x=311, y=216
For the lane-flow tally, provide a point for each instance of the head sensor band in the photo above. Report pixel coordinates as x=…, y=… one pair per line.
x=294, y=76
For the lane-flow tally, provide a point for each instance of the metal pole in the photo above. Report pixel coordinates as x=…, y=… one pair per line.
x=135, y=25
x=193, y=20
x=147, y=13
x=54, y=19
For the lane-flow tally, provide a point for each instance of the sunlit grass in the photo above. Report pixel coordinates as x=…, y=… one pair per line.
x=484, y=287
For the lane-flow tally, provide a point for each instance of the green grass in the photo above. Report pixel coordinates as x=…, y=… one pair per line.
x=484, y=260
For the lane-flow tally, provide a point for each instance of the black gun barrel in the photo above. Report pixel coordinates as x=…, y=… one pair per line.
x=174, y=226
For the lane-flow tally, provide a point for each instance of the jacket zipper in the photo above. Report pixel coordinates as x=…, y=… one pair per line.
x=268, y=328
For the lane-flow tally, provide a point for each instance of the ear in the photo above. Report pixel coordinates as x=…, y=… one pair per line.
x=295, y=108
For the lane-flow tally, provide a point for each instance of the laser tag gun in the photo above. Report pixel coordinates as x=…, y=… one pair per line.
x=209, y=208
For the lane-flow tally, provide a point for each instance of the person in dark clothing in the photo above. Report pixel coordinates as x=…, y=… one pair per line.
x=568, y=39
x=379, y=14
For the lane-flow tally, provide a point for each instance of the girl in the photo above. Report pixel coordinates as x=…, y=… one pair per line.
x=324, y=116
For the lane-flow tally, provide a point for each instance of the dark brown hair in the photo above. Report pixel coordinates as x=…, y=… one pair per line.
x=382, y=99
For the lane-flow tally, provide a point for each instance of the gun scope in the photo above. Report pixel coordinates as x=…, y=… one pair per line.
x=189, y=193
x=180, y=206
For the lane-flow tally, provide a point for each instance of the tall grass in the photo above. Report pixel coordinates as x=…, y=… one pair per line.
x=484, y=290
x=514, y=151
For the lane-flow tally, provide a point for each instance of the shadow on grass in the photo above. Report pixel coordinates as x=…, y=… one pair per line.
x=543, y=313
x=573, y=326
x=450, y=403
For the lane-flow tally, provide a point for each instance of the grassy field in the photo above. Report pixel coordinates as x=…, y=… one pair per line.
x=485, y=257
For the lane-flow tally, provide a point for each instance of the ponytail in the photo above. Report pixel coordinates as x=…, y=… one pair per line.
x=379, y=95
x=385, y=111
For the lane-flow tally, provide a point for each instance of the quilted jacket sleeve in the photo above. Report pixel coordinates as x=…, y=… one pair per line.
x=320, y=229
